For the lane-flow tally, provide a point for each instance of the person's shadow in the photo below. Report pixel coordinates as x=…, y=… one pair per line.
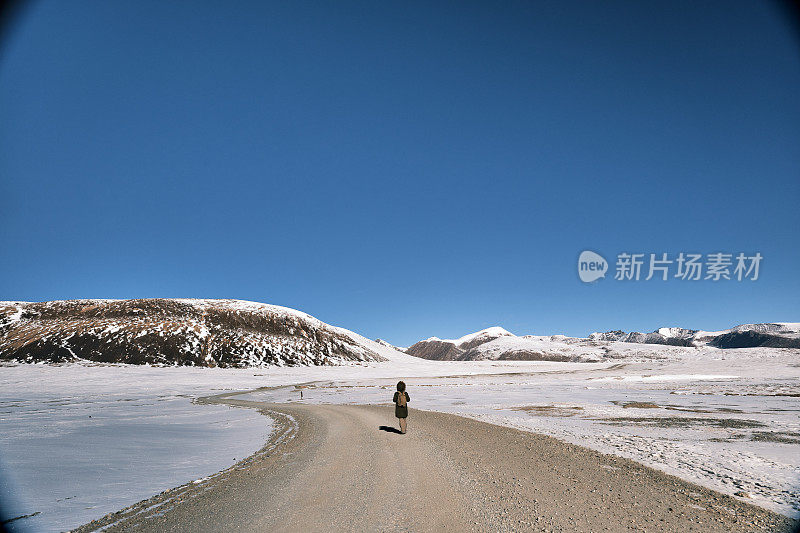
x=390, y=429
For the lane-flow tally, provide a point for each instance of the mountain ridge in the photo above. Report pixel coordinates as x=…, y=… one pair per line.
x=239, y=333
x=193, y=332
x=497, y=343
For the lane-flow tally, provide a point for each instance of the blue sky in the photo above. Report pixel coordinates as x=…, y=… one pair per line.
x=403, y=169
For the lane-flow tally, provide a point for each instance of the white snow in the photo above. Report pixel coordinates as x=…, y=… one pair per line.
x=670, y=332
x=247, y=305
x=668, y=377
x=78, y=442
x=576, y=349
x=782, y=327
x=13, y=317
x=387, y=352
x=494, y=331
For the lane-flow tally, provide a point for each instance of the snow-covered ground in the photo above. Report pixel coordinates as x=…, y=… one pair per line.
x=79, y=442
x=727, y=419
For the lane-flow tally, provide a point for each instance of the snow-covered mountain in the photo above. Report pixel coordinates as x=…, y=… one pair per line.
x=489, y=343
x=671, y=336
x=772, y=335
x=498, y=344
x=454, y=349
x=214, y=333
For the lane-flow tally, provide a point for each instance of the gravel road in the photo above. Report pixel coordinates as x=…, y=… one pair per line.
x=334, y=468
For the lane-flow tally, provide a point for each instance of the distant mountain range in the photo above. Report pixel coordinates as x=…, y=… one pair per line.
x=771, y=335
x=213, y=333
x=498, y=344
x=236, y=333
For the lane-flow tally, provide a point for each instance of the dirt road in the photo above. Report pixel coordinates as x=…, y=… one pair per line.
x=335, y=468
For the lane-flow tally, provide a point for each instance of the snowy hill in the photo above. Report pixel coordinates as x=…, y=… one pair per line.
x=496, y=343
x=454, y=349
x=387, y=344
x=213, y=333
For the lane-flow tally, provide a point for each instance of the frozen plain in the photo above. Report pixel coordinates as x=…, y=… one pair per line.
x=726, y=419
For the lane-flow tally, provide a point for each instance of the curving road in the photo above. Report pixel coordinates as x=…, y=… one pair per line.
x=333, y=468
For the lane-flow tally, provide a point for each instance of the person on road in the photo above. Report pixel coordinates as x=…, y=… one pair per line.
x=401, y=400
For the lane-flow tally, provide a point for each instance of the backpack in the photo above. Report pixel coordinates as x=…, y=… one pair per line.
x=401, y=399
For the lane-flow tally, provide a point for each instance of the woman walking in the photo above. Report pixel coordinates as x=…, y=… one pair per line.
x=401, y=400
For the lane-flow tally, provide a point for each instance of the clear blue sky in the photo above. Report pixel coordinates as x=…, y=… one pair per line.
x=403, y=169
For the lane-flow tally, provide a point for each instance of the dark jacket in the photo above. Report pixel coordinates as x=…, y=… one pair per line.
x=401, y=412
